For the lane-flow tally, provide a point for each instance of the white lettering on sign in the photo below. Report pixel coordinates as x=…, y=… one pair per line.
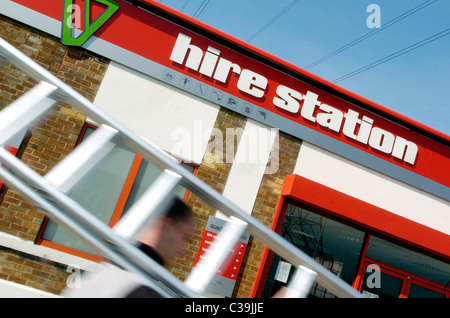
x=352, y=126
x=210, y=64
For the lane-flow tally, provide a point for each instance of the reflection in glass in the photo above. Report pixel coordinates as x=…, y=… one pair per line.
x=408, y=260
x=381, y=285
x=146, y=175
x=334, y=245
x=416, y=291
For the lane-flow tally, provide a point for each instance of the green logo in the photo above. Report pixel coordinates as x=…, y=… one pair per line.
x=72, y=21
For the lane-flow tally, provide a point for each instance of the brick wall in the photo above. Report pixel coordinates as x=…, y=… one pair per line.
x=47, y=142
x=32, y=271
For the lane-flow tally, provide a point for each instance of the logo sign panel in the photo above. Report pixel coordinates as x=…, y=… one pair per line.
x=72, y=12
x=225, y=280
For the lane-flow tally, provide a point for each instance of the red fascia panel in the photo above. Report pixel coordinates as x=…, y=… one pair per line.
x=366, y=215
x=265, y=55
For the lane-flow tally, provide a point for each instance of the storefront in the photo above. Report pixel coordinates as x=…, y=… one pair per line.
x=358, y=187
x=329, y=227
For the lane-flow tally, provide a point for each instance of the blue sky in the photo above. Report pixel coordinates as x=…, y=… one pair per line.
x=415, y=84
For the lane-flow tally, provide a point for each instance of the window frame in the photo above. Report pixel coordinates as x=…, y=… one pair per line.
x=118, y=210
x=406, y=277
x=342, y=208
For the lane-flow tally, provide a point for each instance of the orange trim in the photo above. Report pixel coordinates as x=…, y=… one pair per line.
x=123, y=198
x=188, y=192
x=69, y=250
x=12, y=150
x=83, y=132
x=126, y=190
x=39, y=239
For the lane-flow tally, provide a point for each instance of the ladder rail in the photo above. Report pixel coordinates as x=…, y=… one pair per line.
x=73, y=227
x=73, y=214
x=301, y=284
x=25, y=110
x=163, y=161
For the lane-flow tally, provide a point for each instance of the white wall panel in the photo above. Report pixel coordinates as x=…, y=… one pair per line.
x=169, y=118
x=249, y=165
x=372, y=187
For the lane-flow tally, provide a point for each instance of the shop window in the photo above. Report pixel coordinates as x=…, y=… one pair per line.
x=384, y=285
x=408, y=260
x=375, y=266
x=334, y=245
x=416, y=291
x=402, y=272
x=146, y=175
x=108, y=192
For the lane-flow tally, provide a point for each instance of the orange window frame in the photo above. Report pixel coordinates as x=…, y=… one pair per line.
x=346, y=209
x=123, y=197
x=406, y=277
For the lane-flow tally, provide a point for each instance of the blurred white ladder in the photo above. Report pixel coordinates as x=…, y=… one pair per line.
x=49, y=193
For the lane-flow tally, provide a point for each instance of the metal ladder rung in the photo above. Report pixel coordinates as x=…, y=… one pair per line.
x=217, y=256
x=153, y=203
x=25, y=110
x=301, y=284
x=79, y=162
